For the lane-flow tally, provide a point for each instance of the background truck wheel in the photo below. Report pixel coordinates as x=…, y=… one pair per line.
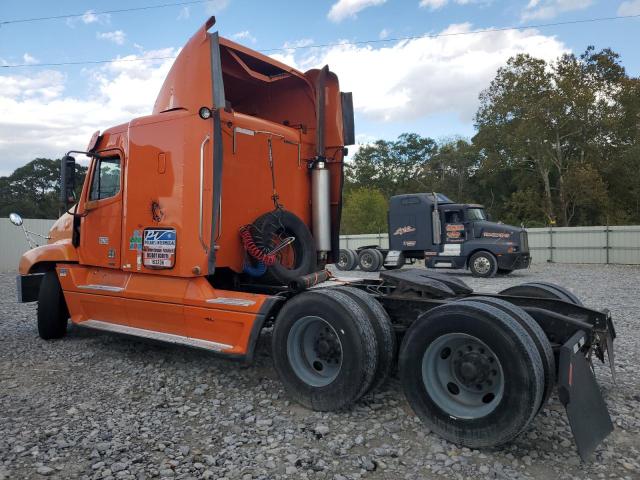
x=542, y=290
x=52, y=309
x=295, y=260
x=347, y=259
x=380, y=258
x=385, y=335
x=483, y=264
x=536, y=333
x=369, y=260
x=324, y=350
x=471, y=373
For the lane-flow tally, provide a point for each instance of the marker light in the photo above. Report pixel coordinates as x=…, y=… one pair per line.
x=205, y=113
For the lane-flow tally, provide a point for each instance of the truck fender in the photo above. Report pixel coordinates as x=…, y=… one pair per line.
x=267, y=313
x=40, y=259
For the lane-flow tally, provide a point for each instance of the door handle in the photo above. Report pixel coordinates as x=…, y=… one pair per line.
x=202, y=145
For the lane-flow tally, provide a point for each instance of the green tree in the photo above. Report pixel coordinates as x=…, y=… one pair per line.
x=557, y=121
x=364, y=211
x=33, y=189
x=391, y=167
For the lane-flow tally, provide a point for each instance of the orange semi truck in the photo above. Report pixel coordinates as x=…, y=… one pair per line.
x=214, y=216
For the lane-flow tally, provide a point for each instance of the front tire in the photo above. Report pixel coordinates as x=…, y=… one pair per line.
x=324, y=350
x=52, y=308
x=483, y=264
x=471, y=373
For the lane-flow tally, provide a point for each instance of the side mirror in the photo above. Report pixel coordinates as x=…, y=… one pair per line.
x=67, y=180
x=488, y=216
x=15, y=219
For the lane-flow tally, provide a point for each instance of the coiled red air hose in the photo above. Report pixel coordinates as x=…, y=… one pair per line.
x=254, y=250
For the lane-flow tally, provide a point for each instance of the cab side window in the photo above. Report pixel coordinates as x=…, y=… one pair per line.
x=453, y=216
x=106, y=179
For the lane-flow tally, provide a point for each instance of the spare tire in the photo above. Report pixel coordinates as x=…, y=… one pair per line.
x=293, y=261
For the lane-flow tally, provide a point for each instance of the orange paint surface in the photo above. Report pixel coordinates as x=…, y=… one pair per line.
x=164, y=158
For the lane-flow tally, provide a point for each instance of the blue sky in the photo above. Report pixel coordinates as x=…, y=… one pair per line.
x=429, y=86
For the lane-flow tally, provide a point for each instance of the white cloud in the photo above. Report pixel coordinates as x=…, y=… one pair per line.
x=630, y=7
x=546, y=9
x=40, y=120
x=349, y=8
x=215, y=6
x=28, y=59
x=117, y=36
x=438, y=4
x=184, y=14
x=244, y=35
x=416, y=79
x=433, y=4
x=89, y=17
x=384, y=34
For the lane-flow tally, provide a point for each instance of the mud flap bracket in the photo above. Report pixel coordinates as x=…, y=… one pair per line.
x=580, y=394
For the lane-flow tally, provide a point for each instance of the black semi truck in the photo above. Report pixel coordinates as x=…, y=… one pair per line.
x=445, y=234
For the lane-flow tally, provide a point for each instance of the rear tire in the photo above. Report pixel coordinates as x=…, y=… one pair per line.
x=452, y=349
x=369, y=260
x=536, y=333
x=385, y=335
x=347, y=260
x=52, y=308
x=324, y=350
x=483, y=264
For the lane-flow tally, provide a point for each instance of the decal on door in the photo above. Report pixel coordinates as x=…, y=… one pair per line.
x=135, y=242
x=454, y=232
x=159, y=248
x=403, y=230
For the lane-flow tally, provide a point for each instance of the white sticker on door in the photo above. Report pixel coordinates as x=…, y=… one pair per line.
x=159, y=248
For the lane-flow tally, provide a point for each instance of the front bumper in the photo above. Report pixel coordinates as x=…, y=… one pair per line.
x=514, y=261
x=28, y=287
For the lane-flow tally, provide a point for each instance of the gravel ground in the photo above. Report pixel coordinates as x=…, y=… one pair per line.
x=97, y=405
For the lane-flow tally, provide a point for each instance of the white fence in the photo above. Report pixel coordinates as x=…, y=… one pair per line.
x=602, y=245
x=618, y=245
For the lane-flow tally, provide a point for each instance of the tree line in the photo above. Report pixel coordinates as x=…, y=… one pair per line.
x=555, y=143
x=33, y=190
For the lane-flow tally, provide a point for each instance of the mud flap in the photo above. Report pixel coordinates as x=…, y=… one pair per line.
x=580, y=394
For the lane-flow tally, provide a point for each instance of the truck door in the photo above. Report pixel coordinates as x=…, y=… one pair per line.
x=453, y=226
x=101, y=228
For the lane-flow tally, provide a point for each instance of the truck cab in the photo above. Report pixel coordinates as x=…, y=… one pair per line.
x=446, y=234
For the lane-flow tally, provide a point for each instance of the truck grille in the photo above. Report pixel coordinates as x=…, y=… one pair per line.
x=524, y=241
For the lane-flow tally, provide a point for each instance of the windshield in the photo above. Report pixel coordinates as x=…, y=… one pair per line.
x=476, y=214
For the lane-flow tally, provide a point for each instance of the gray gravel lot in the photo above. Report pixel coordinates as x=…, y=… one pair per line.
x=98, y=405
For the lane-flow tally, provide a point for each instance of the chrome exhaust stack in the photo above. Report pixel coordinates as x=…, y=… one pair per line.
x=320, y=177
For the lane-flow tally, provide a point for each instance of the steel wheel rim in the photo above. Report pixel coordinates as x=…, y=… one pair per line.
x=367, y=260
x=315, y=351
x=463, y=376
x=482, y=265
x=343, y=260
